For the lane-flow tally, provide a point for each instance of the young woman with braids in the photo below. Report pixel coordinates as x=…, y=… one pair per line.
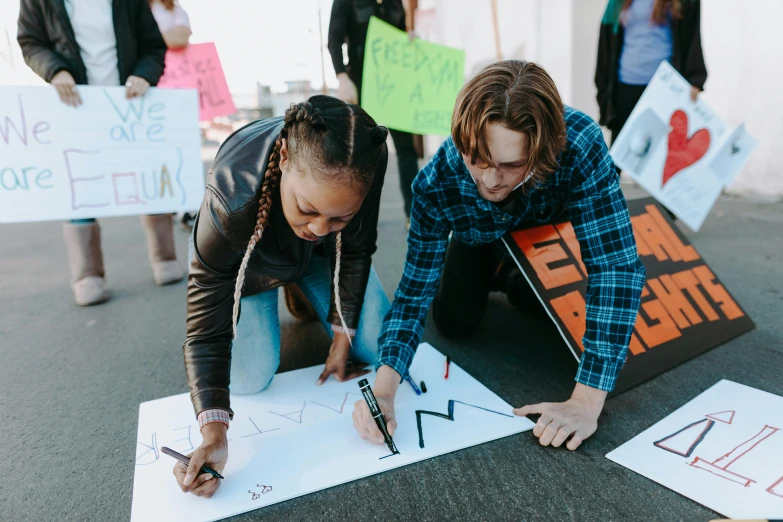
x=292, y=199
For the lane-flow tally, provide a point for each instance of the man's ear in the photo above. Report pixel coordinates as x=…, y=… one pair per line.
x=284, y=157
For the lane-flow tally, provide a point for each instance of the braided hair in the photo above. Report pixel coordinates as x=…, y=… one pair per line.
x=338, y=141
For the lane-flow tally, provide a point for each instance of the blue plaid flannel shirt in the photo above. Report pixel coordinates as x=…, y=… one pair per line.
x=586, y=186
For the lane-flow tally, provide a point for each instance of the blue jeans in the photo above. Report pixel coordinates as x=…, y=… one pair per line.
x=255, y=352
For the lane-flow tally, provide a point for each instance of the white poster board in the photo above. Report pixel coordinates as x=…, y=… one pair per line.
x=680, y=151
x=295, y=438
x=724, y=449
x=109, y=157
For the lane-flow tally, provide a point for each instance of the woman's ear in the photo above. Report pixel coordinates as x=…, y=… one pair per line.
x=283, y=154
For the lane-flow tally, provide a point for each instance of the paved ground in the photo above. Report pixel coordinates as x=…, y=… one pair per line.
x=72, y=379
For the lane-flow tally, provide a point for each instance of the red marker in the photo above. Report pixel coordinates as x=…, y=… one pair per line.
x=448, y=363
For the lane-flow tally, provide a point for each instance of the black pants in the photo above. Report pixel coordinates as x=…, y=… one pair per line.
x=407, y=164
x=465, y=285
x=625, y=99
x=407, y=161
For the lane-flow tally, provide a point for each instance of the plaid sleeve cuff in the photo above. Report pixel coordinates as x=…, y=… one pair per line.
x=399, y=360
x=599, y=372
x=213, y=415
x=340, y=329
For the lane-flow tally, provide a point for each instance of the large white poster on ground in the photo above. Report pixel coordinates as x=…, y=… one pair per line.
x=680, y=151
x=723, y=449
x=296, y=438
x=109, y=157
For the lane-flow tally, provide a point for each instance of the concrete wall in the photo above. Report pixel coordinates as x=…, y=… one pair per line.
x=741, y=44
x=744, y=54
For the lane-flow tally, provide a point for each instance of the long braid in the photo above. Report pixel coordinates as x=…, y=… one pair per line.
x=271, y=179
x=337, y=300
x=339, y=240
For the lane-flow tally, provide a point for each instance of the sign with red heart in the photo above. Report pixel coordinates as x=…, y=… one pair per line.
x=683, y=151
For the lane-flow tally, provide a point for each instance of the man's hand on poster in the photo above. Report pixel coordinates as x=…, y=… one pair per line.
x=66, y=88
x=385, y=388
x=694, y=93
x=346, y=91
x=136, y=86
x=576, y=418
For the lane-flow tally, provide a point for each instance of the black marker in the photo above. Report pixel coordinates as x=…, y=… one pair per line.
x=186, y=461
x=377, y=414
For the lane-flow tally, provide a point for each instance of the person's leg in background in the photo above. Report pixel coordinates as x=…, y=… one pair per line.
x=255, y=351
x=316, y=285
x=625, y=99
x=464, y=289
x=159, y=230
x=85, y=256
x=408, y=166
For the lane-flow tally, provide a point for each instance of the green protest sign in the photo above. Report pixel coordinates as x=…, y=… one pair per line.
x=410, y=85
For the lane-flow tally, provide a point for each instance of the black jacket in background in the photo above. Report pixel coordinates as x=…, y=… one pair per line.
x=49, y=45
x=348, y=24
x=687, y=57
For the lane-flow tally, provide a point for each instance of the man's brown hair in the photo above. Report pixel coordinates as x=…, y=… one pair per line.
x=522, y=97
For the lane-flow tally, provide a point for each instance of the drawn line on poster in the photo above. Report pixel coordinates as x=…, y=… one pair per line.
x=286, y=415
x=264, y=490
x=153, y=448
x=179, y=171
x=340, y=411
x=257, y=429
x=718, y=416
x=190, y=442
x=771, y=489
x=723, y=471
x=449, y=417
x=700, y=437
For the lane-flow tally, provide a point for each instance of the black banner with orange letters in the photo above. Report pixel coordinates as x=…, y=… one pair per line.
x=685, y=308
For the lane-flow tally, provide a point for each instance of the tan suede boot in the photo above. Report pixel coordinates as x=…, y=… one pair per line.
x=159, y=229
x=298, y=304
x=83, y=241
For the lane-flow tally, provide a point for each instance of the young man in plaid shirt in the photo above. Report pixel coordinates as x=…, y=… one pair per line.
x=517, y=157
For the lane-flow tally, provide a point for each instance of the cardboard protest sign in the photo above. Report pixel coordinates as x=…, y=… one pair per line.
x=109, y=157
x=410, y=85
x=685, y=308
x=680, y=151
x=197, y=66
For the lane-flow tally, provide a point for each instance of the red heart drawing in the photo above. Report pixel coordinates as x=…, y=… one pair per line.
x=683, y=152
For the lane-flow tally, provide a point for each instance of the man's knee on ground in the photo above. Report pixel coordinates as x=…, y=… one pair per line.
x=453, y=323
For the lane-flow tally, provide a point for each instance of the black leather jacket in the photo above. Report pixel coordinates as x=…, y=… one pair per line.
x=221, y=233
x=49, y=45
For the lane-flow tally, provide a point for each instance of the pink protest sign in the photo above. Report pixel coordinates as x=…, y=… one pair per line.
x=198, y=67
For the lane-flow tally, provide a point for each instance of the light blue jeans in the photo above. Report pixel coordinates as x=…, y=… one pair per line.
x=255, y=352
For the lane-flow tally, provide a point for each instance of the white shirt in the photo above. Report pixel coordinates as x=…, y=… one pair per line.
x=168, y=20
x=93, y=27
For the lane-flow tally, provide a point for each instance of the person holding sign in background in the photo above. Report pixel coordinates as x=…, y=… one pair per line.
x=174, y=25
x=348, y=25
x=635, y=37
x=292, y=199
x=99, y=42
x=517, y=157
x=173, y=22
